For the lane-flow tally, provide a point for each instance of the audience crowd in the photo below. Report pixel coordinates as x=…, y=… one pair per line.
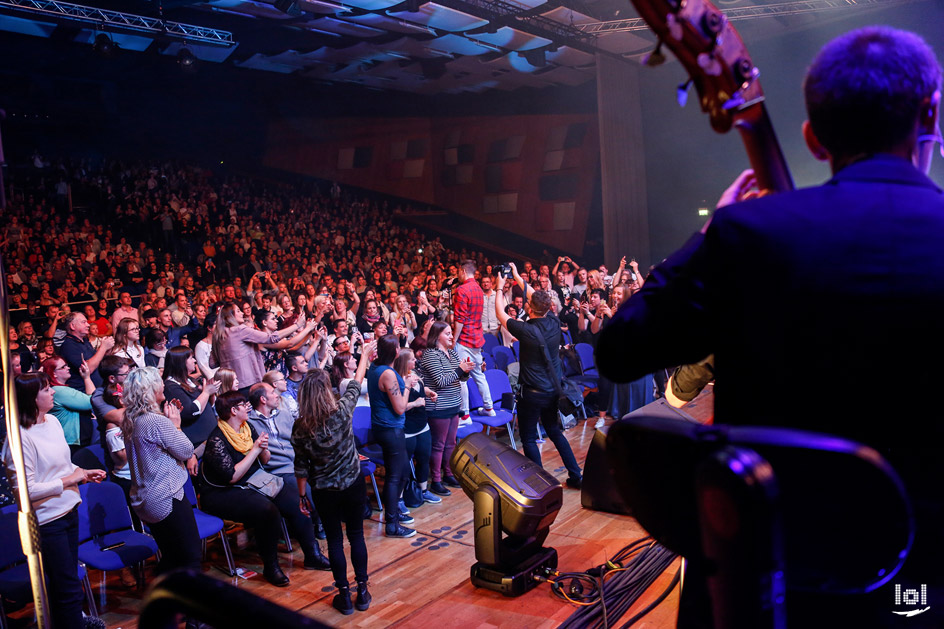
x=237, y=306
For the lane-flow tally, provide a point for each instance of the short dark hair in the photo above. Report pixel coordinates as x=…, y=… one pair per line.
x=540, y=303
x=226, y=402
x=150, y=313
x=111, y=365
x=387, y=348
x=864, y=90
x=256, y=392
x=290, y=359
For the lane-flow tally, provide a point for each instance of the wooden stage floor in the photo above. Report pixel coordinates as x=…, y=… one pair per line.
x=424, y=581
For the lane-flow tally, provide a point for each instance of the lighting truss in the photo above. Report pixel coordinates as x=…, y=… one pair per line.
x=119, y=21
x=746, y=13
x=501, y=12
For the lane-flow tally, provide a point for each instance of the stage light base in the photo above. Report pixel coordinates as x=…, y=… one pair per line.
x=514, y=580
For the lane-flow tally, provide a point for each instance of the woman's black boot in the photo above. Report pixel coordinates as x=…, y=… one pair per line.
x=363, y=597
x=342, y=600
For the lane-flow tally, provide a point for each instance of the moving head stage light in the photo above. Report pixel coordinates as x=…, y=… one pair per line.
x=510, y=494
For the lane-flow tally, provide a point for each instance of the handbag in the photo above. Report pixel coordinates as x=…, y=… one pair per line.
x=269, y=485
x=412, y=494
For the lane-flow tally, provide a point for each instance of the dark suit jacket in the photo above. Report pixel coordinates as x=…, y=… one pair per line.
x=824, y=310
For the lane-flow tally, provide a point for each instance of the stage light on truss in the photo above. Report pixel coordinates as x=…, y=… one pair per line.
x=186, y=59
x=104, y=45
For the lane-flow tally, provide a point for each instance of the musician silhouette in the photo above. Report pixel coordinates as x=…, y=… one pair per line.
x=823, y=306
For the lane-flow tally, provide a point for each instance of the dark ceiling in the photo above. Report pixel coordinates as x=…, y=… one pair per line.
x=416, y=47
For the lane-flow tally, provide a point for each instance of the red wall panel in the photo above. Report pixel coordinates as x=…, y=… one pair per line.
x=311, y=146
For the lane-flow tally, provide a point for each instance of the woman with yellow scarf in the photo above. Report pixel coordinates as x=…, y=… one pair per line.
x=235, y=487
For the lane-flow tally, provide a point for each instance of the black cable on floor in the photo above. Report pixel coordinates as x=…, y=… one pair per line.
x=616, y=585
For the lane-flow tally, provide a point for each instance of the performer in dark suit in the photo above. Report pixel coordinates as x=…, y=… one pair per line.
x=832, y=296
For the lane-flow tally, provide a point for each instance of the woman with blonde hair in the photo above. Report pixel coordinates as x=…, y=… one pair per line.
x=128, y=341
x=326, y=458
x=416, y=426
x=159, y=456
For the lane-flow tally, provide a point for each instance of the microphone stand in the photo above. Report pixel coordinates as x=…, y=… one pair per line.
x=28, y=524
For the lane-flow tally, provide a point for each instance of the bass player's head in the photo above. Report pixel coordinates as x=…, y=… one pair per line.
x=873, y=90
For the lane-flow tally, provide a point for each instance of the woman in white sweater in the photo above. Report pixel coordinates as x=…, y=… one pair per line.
x=53, y=482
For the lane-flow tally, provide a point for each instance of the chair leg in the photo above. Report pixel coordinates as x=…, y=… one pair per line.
x=89, y=595
x=3, y=616
x=511, y=435
x=373, y=481
x=102, y=598
x=228, y=552
x=288, y=540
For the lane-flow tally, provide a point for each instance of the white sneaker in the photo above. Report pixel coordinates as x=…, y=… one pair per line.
x=601, y=422
x=487, y=412
x=465, y=421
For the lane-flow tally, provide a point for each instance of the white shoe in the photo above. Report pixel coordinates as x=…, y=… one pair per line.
x=601, y=422
x=465, y=421
x=487, y=413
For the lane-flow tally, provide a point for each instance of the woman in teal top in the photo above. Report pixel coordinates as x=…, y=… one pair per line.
x=385, y=389
x=68, y=403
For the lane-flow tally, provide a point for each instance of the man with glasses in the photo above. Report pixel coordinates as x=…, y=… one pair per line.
x=113, y=370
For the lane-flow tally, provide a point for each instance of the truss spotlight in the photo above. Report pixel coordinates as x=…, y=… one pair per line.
x=103, y=45
x=185, y=59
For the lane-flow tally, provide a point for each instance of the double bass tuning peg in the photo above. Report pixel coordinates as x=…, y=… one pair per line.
x=656, y=57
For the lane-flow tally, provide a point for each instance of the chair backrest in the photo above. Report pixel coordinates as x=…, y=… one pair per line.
x=489, y=360
x=361, y=425
x=498, y=385
x=189, y=492
x=503, y=357
x=585, y=352
x=515, y=347
x=90, y=457
x=11, y=551
x=490, y=341
x=103, y=510
x=566, y=337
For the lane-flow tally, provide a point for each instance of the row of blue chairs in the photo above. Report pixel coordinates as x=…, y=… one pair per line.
x=15, y=589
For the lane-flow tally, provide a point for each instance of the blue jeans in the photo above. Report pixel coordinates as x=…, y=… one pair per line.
x=59, y=541
x=535, y=405
x=345, y=506
x=393, y=444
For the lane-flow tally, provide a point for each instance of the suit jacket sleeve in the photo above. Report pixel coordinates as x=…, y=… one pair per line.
x=668, y=322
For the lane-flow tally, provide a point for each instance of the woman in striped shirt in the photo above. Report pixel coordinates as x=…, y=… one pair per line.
x=442, y=372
